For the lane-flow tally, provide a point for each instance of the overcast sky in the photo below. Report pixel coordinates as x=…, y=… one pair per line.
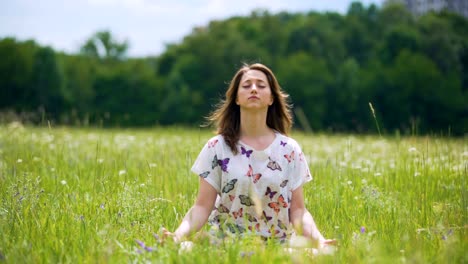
x=147, y=24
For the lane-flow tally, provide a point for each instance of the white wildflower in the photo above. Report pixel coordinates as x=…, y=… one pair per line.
x=412, y=149
x=63, y=182
x=19, y=161
x=122, y=172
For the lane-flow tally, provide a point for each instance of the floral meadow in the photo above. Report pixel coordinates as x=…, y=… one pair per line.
x=88, y=195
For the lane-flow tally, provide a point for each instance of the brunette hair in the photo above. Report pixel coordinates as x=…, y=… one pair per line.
x=226, y=116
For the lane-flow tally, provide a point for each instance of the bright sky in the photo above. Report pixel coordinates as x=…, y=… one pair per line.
x=147, y=24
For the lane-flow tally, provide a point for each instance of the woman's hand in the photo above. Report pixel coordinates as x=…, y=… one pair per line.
x=165, y=234
x=328, y=242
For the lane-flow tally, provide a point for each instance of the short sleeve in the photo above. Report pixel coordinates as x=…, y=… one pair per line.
x=205, y=165
x=300, y=170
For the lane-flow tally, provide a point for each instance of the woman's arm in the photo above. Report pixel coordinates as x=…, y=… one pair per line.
x=303, y=222
x=197, y=216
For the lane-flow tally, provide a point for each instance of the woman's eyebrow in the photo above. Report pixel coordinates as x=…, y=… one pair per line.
x=257, y=79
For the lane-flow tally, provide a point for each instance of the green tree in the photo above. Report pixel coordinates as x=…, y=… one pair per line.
x=16, y=69
x=104, y=46
x=48, y=90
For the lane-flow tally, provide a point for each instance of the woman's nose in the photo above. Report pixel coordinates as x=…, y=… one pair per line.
x=254, y=87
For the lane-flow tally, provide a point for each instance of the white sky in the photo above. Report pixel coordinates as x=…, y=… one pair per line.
x=147, y=24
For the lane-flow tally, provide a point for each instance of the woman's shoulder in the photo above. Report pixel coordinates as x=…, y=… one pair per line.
x=288, y=142
x=215, y=141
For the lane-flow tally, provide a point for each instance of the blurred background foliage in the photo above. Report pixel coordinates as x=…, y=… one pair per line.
x=414, y=71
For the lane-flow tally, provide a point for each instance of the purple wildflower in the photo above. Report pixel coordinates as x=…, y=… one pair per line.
x=363, y=229
x=145, y=247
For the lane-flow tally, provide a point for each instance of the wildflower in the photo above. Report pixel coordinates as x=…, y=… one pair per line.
x=246, y=254
x=152, y=165
x=363, y=229
x=412, y=149
x=19, y=161
x=100, y=161
x=63, y=182
x=377, y=174
x=145, y=247
x=185, y=246
x=122, y=172
x=350, y=182
x=102, y=206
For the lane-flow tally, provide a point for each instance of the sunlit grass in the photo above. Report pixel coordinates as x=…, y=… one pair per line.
x=89, y=195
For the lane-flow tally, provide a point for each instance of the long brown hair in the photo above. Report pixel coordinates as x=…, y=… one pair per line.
x=226, y=116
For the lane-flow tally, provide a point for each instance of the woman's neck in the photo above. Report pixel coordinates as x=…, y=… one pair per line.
x=254, y=130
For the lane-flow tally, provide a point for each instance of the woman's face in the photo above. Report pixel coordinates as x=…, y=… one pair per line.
x=254, y=91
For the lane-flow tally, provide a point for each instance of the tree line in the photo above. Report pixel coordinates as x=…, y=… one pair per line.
x=413, y=70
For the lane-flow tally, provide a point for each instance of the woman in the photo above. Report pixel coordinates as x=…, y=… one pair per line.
x=251, y=173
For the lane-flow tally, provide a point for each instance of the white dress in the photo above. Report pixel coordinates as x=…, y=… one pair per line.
x=254, y=187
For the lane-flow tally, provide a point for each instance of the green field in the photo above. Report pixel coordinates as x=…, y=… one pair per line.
x=88, y=195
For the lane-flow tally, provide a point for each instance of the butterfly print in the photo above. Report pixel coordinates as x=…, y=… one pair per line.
x=283, y=143
x=216, y=219
x=238, y=213
x=289, y=157
x=250, y=217
x=214, y=163
x=276, y=206
x=283, y=236
x=223, y=209
x=246, y=152
x=233, y=228
x=273, y=165
x=245, y=200
x=282, y=225
x=282, y=202
x=255, y=177
x=204, y=174
x=284, y=183
x=273, y=231
x=212, y=143
x=223, y=164
x=229, y=186
x=255, y=227
x=232, y=197
x=266, y=217
x=270, y=193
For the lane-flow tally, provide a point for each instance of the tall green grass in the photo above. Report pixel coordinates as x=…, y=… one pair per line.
x=89, y=195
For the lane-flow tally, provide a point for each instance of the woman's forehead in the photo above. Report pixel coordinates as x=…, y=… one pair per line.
x=254, y=75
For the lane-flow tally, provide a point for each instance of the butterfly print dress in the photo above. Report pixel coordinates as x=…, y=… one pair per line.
x=254, y=187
